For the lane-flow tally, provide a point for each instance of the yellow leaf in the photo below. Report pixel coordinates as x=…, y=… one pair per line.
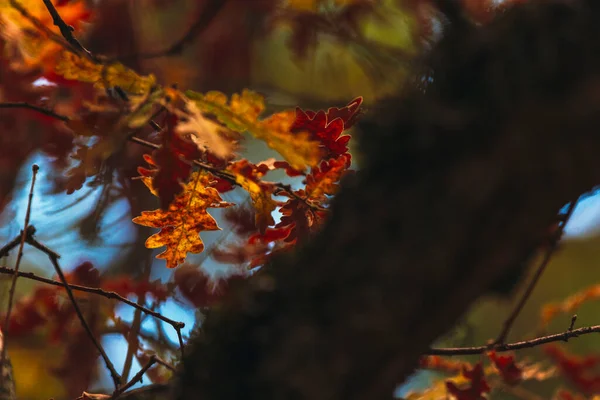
x=241, y=115
x=205, y=133
x=261, y=199
x=72, y=66
x=182, y=223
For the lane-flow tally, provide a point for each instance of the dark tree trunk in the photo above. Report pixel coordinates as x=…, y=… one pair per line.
x=462, y=180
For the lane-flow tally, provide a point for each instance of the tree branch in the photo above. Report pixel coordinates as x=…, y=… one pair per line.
x=508, y=323
x=53, y=256
x=97, y=291
x=525, y=344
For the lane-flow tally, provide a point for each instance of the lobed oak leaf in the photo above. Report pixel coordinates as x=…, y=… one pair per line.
x=299, y=219
x=241, y=114
x=72, y=66
x=205, y=133
x=324, y=179
x=328, y=127
x=183, y=221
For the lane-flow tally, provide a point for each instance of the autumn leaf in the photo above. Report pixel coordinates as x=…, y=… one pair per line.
x=205, y=133
x=477, y=385
x=170, y=164
x=580, y=371
x=328, y=127
x=324, y=179
x=183, y=221
x=248, y=176
x=241, y=114
x=72, y=66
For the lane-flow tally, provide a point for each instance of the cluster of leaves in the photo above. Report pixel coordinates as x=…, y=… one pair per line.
x=94, y=116
x=473, y=382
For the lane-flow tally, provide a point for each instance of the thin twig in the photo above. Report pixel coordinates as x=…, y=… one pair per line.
x=40, y=110
x=39, y=25
x=67, y=31
x=53, y=256
x=525, y=344
x=13, y=285
x=206, y=167
x=136, y=325
x=136, y=378
x=508, y=323
x=181, y=345
x=109, y=295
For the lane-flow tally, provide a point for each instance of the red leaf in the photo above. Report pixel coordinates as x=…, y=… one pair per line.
x=510, y=372
x=477, y=387
x=173, y=162
x=327, y=127
x=578, y=370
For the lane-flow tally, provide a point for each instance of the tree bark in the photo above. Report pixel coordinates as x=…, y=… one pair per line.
x=463, y=177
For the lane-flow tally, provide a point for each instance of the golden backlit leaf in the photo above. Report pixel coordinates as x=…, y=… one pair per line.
x=262, y=200
x=74, y=67
x=181, y=224
x=205, y=133
x=241, y=114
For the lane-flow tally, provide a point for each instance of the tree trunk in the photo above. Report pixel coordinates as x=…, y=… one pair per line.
x=463, y=178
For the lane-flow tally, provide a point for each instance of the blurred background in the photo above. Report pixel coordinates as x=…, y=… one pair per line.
x=308, y=53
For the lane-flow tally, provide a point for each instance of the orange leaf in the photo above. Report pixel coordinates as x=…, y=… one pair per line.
x=185, y=218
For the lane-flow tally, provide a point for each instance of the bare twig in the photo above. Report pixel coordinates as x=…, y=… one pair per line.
x=13, y=285
x=53, y=256
x=553, y=245
x=525, y=344
x=40, y=110
x=136, y=378
x=109, y=295
x=43, y=28
x=136, y=325
x=206, y=167
x=67, y=31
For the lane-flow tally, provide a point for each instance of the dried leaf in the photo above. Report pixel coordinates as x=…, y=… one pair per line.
x=185, y=218
x=171, y=164
x=241, y=114
x=72, y=66
x=204, y=132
